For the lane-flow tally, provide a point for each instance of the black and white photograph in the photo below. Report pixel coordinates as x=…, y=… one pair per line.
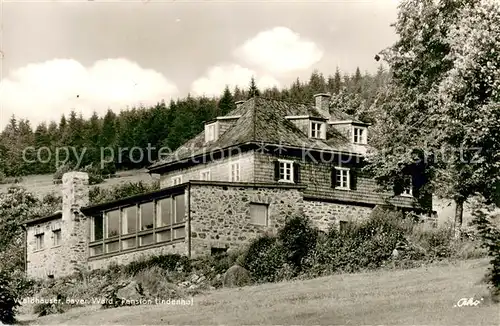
x=233, y=162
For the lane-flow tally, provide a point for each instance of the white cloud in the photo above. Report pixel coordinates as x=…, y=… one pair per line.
x=279, y=50
x=217, y=77
x=44, y=91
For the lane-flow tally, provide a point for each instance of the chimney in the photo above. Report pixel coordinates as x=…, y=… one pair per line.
x=239, y=103
x=75, y=227
x=75, y=191
x=323, y=104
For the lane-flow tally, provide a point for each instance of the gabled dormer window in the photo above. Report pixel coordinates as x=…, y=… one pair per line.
x=317, y=130
x=211, y=132
x=359, y=135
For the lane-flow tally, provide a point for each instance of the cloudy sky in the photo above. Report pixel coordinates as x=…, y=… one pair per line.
x=94, y=55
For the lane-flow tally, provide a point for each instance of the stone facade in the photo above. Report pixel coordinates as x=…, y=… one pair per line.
x=324, y=215
x=225, y=222
x=72, y=250
x=51, y=259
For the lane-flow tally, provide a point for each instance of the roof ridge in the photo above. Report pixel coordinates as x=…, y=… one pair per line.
x=287, y=101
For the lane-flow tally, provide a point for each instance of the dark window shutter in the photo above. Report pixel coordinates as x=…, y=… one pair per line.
x=398, y=186
x=353, y=175
x=334, y=177
x=296, y=172
x=418, y=180
x=276, y=170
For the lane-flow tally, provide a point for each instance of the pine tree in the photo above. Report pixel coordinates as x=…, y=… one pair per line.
x=317, y=84
x=226, y=103
x=356, y=81
x=253, y=90
x=337, y=81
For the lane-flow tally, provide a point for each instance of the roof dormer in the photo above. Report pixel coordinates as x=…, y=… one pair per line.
x=211, y=131
x=313, y=127
x=359, y=134
x=215, y=128
x=355, y=131
x=317, y=129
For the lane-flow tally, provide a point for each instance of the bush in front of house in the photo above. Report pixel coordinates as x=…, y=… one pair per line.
x=169, y=262
x=490, y=235
x=265, y=256
x=99, y=195
x=8, y=299
x=298, y=238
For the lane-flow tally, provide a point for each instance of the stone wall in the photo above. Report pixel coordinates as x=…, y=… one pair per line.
x=325, y=214
x=51, y=260
x=220, y=215
x=72, y=250
x=75, y=231
x=219, y=170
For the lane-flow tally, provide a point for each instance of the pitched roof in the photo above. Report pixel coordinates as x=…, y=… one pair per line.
x=263, y=120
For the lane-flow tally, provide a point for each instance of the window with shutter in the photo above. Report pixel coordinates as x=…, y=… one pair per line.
x=342, y=178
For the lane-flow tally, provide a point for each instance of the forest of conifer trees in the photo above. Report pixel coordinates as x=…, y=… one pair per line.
x=163, y=125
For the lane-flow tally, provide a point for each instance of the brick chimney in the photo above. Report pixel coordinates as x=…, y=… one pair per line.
x=323, y=104
x=239, y=103
x=75, y=192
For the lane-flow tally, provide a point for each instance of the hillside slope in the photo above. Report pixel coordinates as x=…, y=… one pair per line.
x=42, y=184
x=404, y=297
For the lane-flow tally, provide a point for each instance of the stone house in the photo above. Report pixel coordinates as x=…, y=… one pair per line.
x=239, y=178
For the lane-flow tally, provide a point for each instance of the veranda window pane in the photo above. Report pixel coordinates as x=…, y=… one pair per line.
x=179, y=208
x=112, y=247
x=96, y=250
x=147, y=216
x=128, y=243
x=164, y=208
x=179, y=233
x=113, y=223
x=129, y=220
x=98, y=225
x=146, y=240
x=164, y=236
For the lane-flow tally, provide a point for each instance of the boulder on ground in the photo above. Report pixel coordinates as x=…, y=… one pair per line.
x=236, y=276
x=132, y=291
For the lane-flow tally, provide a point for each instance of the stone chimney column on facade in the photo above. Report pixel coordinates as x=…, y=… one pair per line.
x=323, y=104
x=239, y=103
x=75, y=226
x=75, y=193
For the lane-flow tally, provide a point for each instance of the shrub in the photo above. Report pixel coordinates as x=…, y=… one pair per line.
x=169, y=262
x=95, y=175
x=8, y=297
x=491, y=241
x=54, y=294
x=264, y=258
x=298, y=238
x=61, y=170
x=98, y=195
x=365, y=245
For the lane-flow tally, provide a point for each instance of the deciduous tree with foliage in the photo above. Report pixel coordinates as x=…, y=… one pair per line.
x=412, y=131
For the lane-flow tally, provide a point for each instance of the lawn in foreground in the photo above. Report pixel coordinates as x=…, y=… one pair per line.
x=416, y=297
